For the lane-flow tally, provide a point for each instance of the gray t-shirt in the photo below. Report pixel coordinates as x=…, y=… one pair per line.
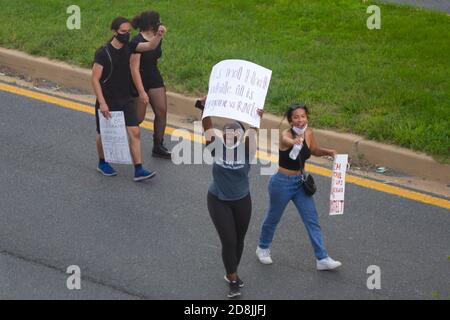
x=230, y=174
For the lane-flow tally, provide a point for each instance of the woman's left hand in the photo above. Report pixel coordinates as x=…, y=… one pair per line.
x=260, y=112
x=333, y=153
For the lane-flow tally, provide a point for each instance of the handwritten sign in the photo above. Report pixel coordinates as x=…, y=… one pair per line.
x=237, y=89
x=338, y=184
x=114, y=138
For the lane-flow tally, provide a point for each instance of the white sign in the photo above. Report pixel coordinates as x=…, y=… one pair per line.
x=338, y=184
x=114, y=138
x=237, y=89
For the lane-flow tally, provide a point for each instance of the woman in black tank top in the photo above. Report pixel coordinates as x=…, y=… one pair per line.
x=287, y=185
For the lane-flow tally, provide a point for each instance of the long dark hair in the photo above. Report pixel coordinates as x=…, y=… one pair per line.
x=147, y=20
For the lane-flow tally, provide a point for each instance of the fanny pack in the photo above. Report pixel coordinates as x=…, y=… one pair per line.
x=308, y=184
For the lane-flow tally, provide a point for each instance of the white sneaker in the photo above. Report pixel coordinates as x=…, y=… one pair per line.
x=263, y=255
x=327, y=264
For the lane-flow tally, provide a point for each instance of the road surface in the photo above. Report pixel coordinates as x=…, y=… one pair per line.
x=155, y=240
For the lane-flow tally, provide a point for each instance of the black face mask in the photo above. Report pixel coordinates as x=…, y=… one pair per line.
x=123, y=37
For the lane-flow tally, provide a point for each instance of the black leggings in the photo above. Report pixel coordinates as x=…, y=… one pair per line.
x=231, y=219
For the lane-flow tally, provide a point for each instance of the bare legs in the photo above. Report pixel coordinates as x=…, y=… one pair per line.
x=135, y=145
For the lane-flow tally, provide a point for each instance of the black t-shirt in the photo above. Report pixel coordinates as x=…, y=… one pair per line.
x=115, y=81
x=149, y=59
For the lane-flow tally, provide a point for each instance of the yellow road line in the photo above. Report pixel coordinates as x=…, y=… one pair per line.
x=46, y=98
x=371, y=184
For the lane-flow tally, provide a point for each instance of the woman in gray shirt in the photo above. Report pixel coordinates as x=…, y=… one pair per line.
x=229, y=201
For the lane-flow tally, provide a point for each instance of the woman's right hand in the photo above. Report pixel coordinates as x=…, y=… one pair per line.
x=298, y=140
x=104, y=109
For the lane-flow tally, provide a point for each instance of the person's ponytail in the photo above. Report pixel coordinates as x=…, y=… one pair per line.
x=137, y=22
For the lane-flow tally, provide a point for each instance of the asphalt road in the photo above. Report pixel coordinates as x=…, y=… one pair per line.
x=155, y=240
x=438, y=5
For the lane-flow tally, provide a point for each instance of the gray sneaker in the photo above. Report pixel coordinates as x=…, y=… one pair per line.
x=235, y=290
x=241, y=283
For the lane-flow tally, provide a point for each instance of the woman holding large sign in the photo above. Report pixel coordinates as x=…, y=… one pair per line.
x=297, y=144
x=229, y=201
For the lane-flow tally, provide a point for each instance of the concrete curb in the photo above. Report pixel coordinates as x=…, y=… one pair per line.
x=359, y=149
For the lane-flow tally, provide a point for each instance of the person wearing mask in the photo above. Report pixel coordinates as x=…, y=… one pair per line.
x=228, y=199
x=111, y=81
x=297, y=144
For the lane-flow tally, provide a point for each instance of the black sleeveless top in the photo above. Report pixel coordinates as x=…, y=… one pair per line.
x=286, y=162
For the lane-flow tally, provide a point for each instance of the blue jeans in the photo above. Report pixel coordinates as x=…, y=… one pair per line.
x=282, y=189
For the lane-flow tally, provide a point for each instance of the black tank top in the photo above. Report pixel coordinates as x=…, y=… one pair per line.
x=286, y=162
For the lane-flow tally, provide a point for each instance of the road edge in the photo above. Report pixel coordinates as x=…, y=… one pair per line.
x=358, y=148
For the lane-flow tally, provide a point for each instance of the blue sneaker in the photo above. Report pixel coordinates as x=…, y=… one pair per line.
x=142, y=174
x=106, y=170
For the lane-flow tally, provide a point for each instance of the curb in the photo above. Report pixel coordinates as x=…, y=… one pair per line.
x=358, y=148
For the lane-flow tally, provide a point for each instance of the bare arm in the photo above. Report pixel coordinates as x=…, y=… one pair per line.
x=153, y=43
x=208, y=130
x=287, y=141
x=207, y=126
x=135, y=63
x=316, y=150
x=97, y=71
x=251, y=139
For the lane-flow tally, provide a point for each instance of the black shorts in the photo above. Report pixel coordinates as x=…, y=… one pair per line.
x=153, y=80
x=129, y=112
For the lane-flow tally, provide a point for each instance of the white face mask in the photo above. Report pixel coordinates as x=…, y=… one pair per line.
x=234, y=146
x=300, y=131
x=238, y=142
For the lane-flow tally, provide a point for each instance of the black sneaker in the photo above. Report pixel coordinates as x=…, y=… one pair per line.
x=241, y=283
x=235, y=291
x=161, y=152
x=164, y=148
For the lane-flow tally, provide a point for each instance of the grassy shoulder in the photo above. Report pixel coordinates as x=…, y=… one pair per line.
x=391, y=85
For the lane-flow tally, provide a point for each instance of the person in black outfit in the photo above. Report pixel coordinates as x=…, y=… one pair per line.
x=148, y=82
x=111, y=81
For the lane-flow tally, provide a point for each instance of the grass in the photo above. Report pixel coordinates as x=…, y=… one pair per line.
x=391, y=85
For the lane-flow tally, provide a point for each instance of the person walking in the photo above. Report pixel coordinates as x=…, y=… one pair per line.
x=228, y=199
x=111, y=81
x=288, y=185
x=147, y=79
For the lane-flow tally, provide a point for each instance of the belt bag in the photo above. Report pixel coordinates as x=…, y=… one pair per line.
x=309, y=185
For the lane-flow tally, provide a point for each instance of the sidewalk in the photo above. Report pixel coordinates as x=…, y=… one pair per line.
x=438, y=5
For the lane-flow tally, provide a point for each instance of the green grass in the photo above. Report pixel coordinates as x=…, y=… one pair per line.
x=390, y=85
